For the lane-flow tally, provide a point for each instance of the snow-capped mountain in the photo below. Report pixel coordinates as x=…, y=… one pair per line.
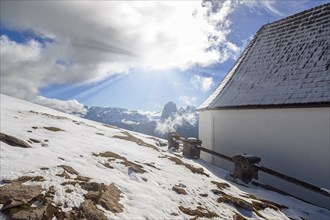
x=59, y=166
x=183, y=120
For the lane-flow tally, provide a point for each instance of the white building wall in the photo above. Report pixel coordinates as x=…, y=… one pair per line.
x=293, y=141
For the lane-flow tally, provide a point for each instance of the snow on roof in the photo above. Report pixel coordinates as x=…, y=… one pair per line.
x=287, y=63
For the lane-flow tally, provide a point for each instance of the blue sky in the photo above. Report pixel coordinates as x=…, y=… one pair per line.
x=136, y=56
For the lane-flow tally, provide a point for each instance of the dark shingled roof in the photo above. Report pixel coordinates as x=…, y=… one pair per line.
x=286, y=64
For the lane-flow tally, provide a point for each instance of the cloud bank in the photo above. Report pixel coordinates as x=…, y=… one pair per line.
x=92, y=40
x=172, y=123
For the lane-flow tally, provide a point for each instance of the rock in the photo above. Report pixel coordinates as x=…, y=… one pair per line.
x=13, y=141
x=64, y=174
x=92, y=186
x=82, y=178
x=106, y=196
x=179, y=190
x=203, y=194
x=169, y=110
x=34, y=140
x=90, y=212
x=69, y=169
x=110, y=197
x=18, y=192
x=55, y=129
x=20, y=179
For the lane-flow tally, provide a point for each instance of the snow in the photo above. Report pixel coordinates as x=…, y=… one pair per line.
x=146, y=195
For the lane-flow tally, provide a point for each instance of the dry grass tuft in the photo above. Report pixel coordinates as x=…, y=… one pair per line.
x=193, y=169
x=138, y=141
x=222, y=185
x=237, y=202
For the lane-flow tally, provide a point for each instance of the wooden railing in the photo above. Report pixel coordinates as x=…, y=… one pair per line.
x=274, y=173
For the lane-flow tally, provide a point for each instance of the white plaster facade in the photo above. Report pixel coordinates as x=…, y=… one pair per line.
x=293, y=141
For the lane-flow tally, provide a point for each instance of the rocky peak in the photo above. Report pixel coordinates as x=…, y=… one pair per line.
x=169, y=110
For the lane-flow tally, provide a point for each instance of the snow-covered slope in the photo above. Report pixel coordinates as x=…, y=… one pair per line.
x=61, y=175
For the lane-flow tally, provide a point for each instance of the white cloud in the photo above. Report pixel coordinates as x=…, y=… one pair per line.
x=172, y=123
x=269, y=5
x=18, y=82
x=202, y=83
x=92, y=40
x=187, y=101
x=71, y=106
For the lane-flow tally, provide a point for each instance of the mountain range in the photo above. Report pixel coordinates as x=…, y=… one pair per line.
x=183, y=120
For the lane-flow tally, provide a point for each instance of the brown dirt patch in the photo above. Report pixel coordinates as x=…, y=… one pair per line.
x=68, y=190
x=222, y=185
x=107, y=165
x=55, y=129
x=262, y=204
x=70, y=183
x=198, y=212
x=238, y=216
x=82, y=178
x=134, y=166
x=13, y=141
x=44, y=168
x=193, y=169
x=237, y=202
x=128, y=137
x=109, y=126
x=38, y=179
x=151, y=165
x=257, y=205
